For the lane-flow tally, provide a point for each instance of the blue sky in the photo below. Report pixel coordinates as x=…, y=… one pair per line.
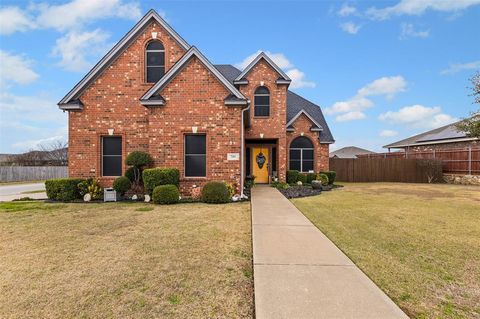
x=380, y=70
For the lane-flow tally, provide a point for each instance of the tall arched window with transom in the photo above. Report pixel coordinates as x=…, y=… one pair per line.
x=154, y=61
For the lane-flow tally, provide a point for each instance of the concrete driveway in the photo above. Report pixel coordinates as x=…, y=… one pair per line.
x=16, y=191
x=299, y=273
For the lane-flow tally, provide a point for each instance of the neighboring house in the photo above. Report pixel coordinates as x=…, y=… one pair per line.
x=156, y=93
x=349, y=152
x=442, y=138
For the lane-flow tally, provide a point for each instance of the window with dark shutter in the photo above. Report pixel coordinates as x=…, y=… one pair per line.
x=111, y=156
x=195, y=156
x=154, y=61
x=261, y=101
x=301, y=154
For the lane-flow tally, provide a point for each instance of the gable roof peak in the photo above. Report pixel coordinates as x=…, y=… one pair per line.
x=237, y=98
x=284, y=79
x=116, y=51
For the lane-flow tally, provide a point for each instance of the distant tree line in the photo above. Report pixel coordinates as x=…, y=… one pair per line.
x=51, y=154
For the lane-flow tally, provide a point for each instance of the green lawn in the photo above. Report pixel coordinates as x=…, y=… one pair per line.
x=420, y=243
x=121, y=260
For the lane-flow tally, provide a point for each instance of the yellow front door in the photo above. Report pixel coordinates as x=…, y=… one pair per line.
x=260, y=163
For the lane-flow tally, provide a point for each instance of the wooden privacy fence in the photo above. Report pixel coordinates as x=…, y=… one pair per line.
x=455, y=161
x=31, y=173
x=387, y=170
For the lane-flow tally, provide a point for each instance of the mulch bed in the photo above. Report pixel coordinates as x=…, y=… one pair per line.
x=299, y=191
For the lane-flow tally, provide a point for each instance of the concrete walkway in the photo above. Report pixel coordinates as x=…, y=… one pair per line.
x=300, y=273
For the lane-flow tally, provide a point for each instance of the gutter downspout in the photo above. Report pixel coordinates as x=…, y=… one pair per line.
x=242, y=151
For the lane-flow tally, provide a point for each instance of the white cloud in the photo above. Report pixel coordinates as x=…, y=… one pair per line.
x=297, y=76
x=24, y=117
x=416, y=7
x=356, y=103
x=353, y=108
x=457, y=67
x=418, y=116
x=13, y=19
x=388, y=85
x=16, y=69
x=388, y=133
x=298, y=79
x=346, y=10
x=74, y=14
x=75, y=47
x=350, y=116
x=350, y=27
x=408, y=31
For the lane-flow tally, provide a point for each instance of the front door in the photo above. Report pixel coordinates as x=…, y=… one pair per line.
x=260, y=163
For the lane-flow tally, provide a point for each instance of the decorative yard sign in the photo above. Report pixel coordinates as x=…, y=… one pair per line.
x=233, y=156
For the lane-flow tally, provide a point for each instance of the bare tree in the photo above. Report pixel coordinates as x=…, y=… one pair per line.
x=471, y=126
x=55, y=152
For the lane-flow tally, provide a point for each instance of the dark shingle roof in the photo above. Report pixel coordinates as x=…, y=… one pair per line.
x=295, y=103
x=446, y=132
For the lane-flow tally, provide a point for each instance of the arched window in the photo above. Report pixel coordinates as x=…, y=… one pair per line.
x=261, y=101
x=301, y=154
x=154, y=61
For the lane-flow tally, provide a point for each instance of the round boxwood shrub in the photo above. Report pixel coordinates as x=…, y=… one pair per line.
x=215, y=193
x=302, y=178
x=323, y=178
x=153, y=177
x=292, y=176
x=166, y=194
x=331, y=176
x=122, y=184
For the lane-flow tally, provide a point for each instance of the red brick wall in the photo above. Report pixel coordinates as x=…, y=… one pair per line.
x=194, y=98
x=320, y=153
x=273, y=127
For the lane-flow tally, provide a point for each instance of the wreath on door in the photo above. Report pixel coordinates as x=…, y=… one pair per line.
x=261, y=160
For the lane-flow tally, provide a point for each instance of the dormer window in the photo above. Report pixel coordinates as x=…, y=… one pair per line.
x=154, y=61
x=261, y=101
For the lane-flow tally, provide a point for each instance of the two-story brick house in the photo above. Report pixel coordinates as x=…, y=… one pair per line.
x=156, y=93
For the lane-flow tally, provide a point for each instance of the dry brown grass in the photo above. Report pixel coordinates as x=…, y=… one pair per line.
x=420, y=243
x=125, y=261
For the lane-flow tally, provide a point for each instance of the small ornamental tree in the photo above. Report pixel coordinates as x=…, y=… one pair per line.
x=138, y=161
x=471, y=125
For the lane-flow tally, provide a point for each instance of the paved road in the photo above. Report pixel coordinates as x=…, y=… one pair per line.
x=14, y=191
x=299, y=273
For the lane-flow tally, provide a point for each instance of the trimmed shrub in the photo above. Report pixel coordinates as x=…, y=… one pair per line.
x=323, y=178
x=138, y=159
x=292, y=176
x=215, y=193
x=166, y=194
x=302, y=178
x=154, y=177
x=311, y=177
x=130, y=174
x=331, y=176
x=63, y=189
x=122, y=184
